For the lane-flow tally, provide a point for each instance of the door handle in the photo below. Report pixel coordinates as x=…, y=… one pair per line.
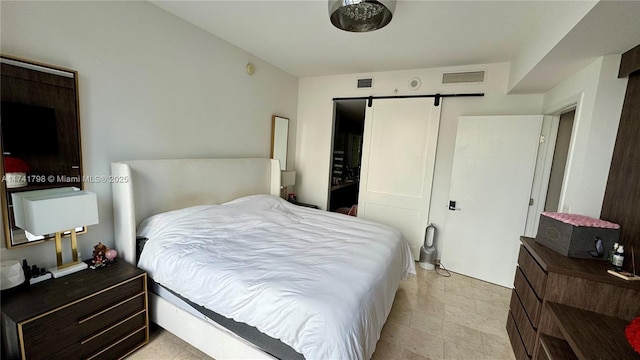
x=452, y=205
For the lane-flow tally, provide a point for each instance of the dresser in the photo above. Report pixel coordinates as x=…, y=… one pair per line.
x=91, y=314
x=555, y=296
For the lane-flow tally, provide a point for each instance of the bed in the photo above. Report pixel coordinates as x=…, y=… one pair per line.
x=222, y=243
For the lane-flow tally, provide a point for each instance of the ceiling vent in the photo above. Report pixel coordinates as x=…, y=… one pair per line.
x=463, y=77
x=365, y=83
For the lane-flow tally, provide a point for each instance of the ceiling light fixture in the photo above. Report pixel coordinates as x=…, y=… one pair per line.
x=361, y=15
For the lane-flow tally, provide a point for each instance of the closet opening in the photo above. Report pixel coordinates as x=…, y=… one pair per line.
x=554, y=156
x=559, y=161
x=346, y=155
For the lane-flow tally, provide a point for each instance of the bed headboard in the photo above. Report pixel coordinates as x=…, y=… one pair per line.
x=142, y=188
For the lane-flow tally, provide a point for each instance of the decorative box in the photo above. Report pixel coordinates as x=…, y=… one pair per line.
x=577, y=236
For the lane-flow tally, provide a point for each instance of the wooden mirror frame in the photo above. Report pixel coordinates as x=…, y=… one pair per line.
x=70, y=167
x=280, y=140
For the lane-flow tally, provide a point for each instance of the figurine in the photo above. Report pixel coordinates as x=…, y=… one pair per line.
x=102, y=256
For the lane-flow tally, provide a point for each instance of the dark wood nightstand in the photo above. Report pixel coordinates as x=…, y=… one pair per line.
x=99, y=313
x=305, y=205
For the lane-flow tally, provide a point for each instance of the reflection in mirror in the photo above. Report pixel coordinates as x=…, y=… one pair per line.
x=279, y=139
x=40, y=136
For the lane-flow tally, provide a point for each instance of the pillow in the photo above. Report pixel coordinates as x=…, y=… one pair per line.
x=159, y=219
x=264, y=202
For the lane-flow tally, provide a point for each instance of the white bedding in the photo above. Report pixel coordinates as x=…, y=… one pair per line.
x=322, y=283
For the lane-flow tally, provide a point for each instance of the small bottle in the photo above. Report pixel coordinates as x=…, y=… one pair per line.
x=27, y=271
x=618, y=258
x=611, y=252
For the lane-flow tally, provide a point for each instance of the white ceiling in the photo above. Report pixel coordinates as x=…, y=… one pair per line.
x=298, y=37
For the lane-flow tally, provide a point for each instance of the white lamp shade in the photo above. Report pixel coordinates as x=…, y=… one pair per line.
x=49, y=211
x=288, y=178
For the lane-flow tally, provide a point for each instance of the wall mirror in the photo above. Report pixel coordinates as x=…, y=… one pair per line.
x=279, y=140
x=40, y=135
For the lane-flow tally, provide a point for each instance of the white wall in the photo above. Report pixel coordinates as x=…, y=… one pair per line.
x=151, y=86
x=547, y=33
x=315, y=112
x=599, y=95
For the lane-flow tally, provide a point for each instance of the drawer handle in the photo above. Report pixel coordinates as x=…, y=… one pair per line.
x=109, y=308
x=112, y=327
x=116, y=343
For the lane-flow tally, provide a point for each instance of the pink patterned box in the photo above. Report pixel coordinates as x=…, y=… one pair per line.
x=577, y=236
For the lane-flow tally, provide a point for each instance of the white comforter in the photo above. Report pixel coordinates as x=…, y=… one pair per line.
x=321, y=282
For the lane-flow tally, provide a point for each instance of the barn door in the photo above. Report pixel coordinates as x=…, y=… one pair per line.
x=398, y=155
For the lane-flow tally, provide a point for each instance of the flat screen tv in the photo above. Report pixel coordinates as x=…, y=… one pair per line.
x=28, y=129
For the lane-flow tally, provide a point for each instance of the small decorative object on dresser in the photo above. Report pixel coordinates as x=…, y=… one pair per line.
x=102, y=256
x=111, y=254
x=100, y=314
x=577, y=236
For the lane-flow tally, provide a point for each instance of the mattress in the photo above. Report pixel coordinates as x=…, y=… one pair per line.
x=266, y=343
x=322, y=283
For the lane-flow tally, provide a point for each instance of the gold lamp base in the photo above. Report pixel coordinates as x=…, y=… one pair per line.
x=70, y=267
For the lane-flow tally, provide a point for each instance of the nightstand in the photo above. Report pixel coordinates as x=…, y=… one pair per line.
x=91, y=314
x=305, y=205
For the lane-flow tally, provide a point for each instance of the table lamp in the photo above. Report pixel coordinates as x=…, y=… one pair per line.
x=59, y=210
x=288, y=179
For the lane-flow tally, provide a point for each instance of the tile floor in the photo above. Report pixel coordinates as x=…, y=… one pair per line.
x=433, y=317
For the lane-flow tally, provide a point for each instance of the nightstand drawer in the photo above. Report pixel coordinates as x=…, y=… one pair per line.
x=528, y=298
x=113, y=333
x=123, y=347
x=95, y=344
x=83, y=319
x=532, y=271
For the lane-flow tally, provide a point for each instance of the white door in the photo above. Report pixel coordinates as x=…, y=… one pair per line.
x=398, y=155
x=493, y=167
